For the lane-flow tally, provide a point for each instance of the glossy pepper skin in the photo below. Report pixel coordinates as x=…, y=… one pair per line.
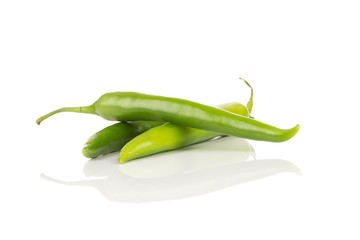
x=170, y=136
x=132, y=106
x=114, y=137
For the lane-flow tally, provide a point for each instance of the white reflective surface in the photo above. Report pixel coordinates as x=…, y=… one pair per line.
x=188, y=172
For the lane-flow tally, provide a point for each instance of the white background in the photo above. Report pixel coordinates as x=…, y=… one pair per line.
x=301, y=57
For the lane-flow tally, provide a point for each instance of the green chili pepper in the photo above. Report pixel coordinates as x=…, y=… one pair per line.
x=170, y=136
x=114, y=137
x=132, y=106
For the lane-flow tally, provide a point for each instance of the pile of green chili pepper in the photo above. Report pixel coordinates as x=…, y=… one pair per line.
x=149, y=124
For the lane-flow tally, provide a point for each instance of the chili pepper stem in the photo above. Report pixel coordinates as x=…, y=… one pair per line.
x=249, y=104
x=88, y=109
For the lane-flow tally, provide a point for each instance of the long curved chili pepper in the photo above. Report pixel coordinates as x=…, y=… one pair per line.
x=132, y=106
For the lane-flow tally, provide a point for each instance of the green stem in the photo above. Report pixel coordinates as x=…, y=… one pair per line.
x=88, y=109
x=249, y=104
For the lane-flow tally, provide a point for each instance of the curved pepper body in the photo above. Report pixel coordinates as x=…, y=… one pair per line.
x=130, y=106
